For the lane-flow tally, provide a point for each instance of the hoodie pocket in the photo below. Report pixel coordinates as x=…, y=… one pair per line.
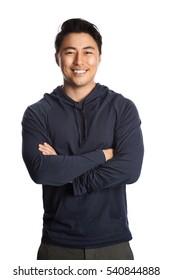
x=89, y=215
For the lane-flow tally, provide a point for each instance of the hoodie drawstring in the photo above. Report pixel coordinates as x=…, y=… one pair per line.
x=85, y=124
x=78, y=129
x=78, y=125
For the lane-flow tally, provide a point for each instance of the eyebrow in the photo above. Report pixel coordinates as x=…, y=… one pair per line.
x=73, y=48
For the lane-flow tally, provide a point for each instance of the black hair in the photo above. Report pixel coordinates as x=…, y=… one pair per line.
x=78, y=25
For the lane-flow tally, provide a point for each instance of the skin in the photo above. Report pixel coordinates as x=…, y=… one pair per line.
x=78, y=52
x=78, y=59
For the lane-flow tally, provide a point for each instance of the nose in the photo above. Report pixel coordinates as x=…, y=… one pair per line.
x=78, y=59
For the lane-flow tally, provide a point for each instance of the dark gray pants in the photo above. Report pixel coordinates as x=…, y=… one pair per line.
x=120, y=251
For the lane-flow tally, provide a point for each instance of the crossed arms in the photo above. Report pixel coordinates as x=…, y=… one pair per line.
x=48, y=150
x=90, y=171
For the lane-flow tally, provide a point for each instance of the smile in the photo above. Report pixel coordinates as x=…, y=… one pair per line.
x=79, y=71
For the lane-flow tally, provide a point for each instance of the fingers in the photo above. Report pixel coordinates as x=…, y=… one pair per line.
x=46, y=149
x=109, y=153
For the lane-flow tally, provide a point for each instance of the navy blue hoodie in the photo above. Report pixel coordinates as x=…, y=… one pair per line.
x=84, y=196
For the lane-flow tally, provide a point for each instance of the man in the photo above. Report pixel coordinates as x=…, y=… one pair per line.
x=83, y=143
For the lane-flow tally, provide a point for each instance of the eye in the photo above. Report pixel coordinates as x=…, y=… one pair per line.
x=70, y=53
x=88, y=52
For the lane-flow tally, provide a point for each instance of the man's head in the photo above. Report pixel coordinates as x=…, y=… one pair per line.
x=78, y=53
x=77, y=25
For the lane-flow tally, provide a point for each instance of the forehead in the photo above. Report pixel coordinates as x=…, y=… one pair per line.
x=78, y=40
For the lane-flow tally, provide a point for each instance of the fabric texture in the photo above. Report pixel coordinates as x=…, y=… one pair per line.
x=84, y=196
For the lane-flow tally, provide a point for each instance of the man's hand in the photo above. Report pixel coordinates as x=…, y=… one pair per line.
x=46, y=149
x=109, y=153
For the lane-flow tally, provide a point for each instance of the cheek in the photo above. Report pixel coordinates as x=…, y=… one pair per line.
x=64, y=63
x=93, y=61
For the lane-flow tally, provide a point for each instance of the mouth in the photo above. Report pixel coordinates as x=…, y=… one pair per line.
x=79, y=71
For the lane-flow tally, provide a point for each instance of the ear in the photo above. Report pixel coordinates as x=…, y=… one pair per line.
x=56, y=58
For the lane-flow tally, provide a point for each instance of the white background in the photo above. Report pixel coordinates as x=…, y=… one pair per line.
x=137, y=62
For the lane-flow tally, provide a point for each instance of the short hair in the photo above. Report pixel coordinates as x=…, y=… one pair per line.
x=78, y=25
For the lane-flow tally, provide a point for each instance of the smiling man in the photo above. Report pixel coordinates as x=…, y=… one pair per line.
x=83, y=143
x=79, y=58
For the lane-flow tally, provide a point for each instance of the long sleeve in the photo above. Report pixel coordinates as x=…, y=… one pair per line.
x=126, y=165
x=51, y=170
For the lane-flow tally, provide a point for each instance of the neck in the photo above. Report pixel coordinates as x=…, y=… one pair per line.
x=78, y=93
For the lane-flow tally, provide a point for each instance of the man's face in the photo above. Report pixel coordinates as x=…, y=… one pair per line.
x=78, y=59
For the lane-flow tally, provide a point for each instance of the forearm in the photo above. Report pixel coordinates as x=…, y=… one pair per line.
x=124, y=168
x=58, y=170
x=68, y=166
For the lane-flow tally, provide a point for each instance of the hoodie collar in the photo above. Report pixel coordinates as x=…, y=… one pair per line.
x=95, y=93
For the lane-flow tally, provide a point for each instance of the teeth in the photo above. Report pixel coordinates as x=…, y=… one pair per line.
x=79, y=71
